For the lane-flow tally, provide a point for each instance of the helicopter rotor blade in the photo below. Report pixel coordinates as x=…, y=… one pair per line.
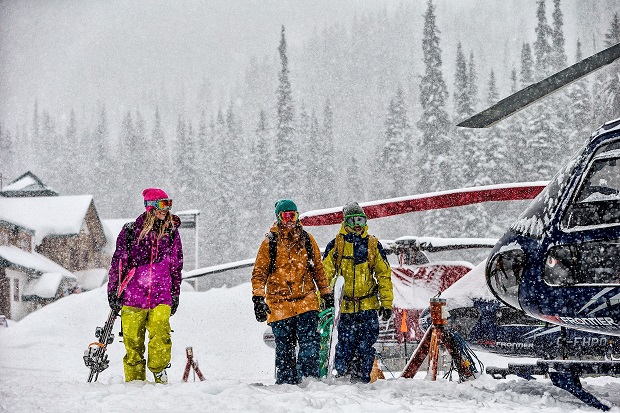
x=430, y=201
x=536, y=91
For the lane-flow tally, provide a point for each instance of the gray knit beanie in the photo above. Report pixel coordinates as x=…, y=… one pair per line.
x=352, y=208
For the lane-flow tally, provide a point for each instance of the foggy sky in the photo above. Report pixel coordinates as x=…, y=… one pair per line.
x=81, y=54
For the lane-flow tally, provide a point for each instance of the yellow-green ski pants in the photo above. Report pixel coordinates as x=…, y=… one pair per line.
x=135, y=322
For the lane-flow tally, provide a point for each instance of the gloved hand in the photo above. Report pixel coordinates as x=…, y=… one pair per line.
x=174, y=305
x=328, y=299
x=260, y=308
x=115, y=302
x=385, y=313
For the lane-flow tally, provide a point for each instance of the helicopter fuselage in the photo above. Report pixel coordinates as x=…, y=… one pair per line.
x=560, y=262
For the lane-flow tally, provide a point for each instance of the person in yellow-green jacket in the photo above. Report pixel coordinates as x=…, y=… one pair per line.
x=367, y=293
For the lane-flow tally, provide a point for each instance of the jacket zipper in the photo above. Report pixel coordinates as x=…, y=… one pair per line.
x=153, y=247
x=353, y=263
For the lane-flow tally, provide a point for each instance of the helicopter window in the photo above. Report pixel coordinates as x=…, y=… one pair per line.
x=532, y=221
x=508, y=316
x=593, y=262
x=597, y=202
x=504, y=275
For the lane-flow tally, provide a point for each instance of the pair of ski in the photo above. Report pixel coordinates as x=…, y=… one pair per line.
x=95, y=356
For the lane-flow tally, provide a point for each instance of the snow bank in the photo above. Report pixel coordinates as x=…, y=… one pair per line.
x=41, y=369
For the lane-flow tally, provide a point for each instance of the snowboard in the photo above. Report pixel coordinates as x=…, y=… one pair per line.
x=338, y=287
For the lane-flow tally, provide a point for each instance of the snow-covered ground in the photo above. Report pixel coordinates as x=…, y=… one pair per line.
x=41, y=369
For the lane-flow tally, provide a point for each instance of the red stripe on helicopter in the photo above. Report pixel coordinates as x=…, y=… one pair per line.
x=436, y=200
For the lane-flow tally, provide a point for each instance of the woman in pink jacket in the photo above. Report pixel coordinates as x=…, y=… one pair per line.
x=151, y=247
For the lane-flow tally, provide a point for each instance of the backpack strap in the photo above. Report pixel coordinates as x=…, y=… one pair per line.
x=273, y=250
x=309, y=250
x=338, y=251
x=372, y=252
x=129, y=235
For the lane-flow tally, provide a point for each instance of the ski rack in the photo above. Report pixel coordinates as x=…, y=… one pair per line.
x=191, y=363
x=429, y=346
x=563, y=374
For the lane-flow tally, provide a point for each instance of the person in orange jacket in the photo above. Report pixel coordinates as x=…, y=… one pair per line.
x=287, y=273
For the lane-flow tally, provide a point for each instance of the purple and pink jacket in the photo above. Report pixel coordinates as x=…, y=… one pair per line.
x=158, y=265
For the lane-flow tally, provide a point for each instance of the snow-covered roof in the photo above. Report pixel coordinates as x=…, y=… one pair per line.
x=20, y=184
x=188, y=212
x=32, y=261
x=28, y=184
x=111, y=228
x=91, y=278
x=47, y=215
x=45, y=286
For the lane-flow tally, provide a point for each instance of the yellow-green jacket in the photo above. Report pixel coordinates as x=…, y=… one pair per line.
x=366, y=286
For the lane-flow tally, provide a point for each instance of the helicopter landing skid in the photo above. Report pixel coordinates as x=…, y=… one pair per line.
x=563, y=374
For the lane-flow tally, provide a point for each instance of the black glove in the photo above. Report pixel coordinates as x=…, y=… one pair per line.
x=260, y=308
x=385, y=313
x=115, y=301
x=174, y=305
x=328, y=299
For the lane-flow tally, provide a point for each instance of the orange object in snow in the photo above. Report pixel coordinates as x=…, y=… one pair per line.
x=403, y=322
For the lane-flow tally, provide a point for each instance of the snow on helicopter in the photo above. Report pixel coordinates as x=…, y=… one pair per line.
x=557, y=263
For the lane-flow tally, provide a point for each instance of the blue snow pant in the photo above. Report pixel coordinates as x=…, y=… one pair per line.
x=357, y=333
x=300, y=329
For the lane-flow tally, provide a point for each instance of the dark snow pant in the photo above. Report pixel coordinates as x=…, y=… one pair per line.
x=357, y=333
x=288, y=333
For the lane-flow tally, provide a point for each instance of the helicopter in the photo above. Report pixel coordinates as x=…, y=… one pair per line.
x=556, y=262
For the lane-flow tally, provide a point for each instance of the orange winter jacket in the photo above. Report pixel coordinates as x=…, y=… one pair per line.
x=291, y=289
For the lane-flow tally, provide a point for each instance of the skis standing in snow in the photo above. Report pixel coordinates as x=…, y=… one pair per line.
x=151, y=246
x=360, y=259
x=287, y=273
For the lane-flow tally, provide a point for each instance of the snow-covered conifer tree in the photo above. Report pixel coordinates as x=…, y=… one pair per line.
x=397, y=147
x=7, y=156
x=434, y=125
x=612, y=89
x=542, y=46
x=327, y=148
x=580, y=110
x=286, y=185
x=558, y=54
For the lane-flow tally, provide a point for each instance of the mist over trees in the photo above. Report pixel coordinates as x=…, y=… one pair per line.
x=355, y=113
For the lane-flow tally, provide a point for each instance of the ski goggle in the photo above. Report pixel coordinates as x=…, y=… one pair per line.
x=161, y=204
x=355, y=220
x=288, y=216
